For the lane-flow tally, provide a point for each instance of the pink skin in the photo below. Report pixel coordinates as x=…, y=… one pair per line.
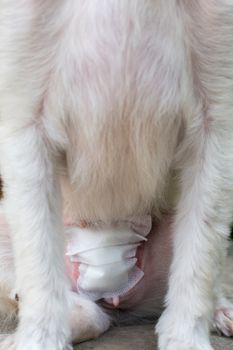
x=154, y=260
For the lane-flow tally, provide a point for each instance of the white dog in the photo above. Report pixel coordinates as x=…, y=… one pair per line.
x=100, y=101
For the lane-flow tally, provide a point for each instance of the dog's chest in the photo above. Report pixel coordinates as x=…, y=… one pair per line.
x=125, y=58
x=120, y=78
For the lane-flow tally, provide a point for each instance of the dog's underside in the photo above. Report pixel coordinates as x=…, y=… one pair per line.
x=99, y=107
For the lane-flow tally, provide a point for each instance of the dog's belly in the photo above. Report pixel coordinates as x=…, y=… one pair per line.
x=156, y=259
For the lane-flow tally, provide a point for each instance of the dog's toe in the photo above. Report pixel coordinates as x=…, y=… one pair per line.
x=223, y=321
x=7, y=342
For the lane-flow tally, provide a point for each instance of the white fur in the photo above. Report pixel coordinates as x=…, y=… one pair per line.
x=108, y=100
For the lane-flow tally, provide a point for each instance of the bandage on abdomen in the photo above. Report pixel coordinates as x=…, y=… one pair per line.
x=105, y=257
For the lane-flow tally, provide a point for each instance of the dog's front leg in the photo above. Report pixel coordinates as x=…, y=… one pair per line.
x=32, y=205
x=201, y=229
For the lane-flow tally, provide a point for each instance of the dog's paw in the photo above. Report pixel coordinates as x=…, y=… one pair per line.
x=223, y=320
x=7, y=342
x=88, y=321
x=42, y=342
x=172, y=344
x=175, y=334
x=32, y=337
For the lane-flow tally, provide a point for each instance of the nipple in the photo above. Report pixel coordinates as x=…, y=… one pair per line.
x=113, y=301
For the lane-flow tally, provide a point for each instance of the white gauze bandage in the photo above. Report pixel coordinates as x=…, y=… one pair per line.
x=106, y=256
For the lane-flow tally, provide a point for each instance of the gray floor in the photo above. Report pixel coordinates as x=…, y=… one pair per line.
x=133, y=338
x=139, y=338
